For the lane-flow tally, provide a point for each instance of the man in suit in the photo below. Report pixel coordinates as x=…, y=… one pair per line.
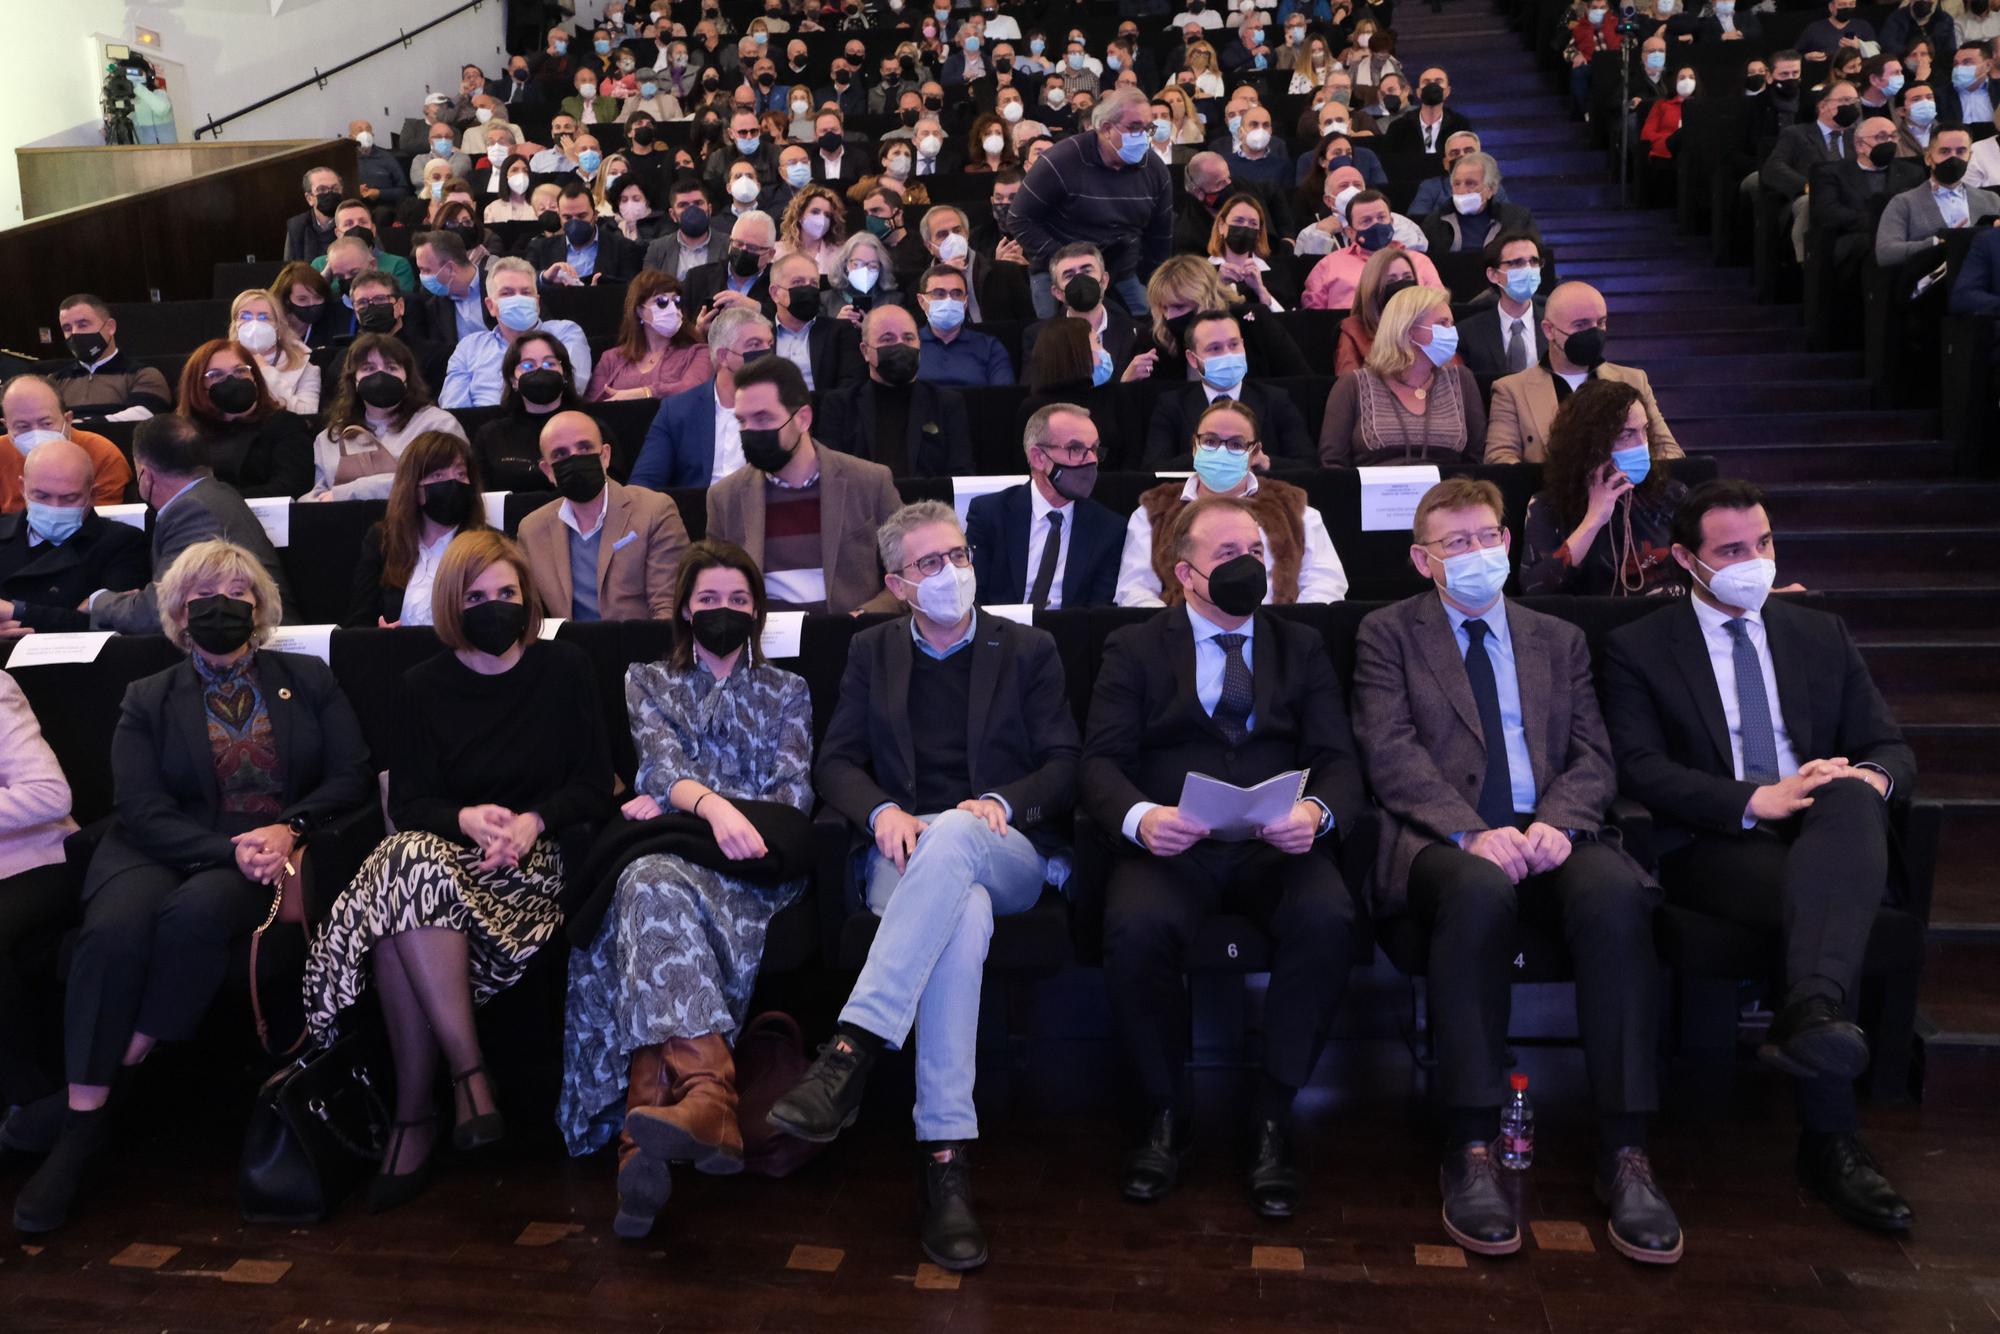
x=1976, y=290
x=1478, y=720
x=1917, y=219
x=807, y=515
x=1829, y=137
x=604, y=552
x=826, y=350
x=1216, y=370
x=1524, y=404
x=964, y=818
x=1754, y=733
x=1435, y=192
x=1046, y=542
x=1506, y=336
x=996, y=291
x=59, y=549
x=743, y=276
x=1847, y=198
x=1455, y=227
x=1970, y=99
x=1433, y=122
x=587, y=251
x=693, y=439
x=830, y=164
x=189, y=506
x=1076, y=281
x=308, y=234
x=913, y=428
x=450, y=305
x=693, y=242
x=1219, y=687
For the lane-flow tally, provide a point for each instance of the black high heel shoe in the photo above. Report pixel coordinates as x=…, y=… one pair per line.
x=393, y=1190
x=475, y=1132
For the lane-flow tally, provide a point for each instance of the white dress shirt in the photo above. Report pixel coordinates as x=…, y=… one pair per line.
x=1321, y=578
x=1210, y=660
x=728, y=443
x=1039, y=511
x=1722, y=660
x=796, y=348
x=417, y=593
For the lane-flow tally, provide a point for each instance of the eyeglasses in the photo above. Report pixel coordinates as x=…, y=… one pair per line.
x=960, y=557
x=531, y=364
x=1225, y=442
x=1512, y=265
x=372, y=302
x=1073, y=453
x=666, y=303
x=216, y=375
x=1457, y=544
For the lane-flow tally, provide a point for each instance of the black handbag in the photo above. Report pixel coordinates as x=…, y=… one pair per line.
x=316, y=1131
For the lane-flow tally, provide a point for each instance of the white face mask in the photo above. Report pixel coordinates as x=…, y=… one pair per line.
x=1340, y=201
x=813, y=225
x=743, y=189
x=1745, y=584
x=29, y=441
x=862, y=277
x=930, y=145
x=1011, y=112
x=946, y=596
x=801, y=108
x=993, y=143
x=257, y=335
x=1468, y=203
x=519, y=183
x=632, y=210
x=1257, y=140
x=1685, y=87
x=953, y=248
x=365, y=139
x=483, y=115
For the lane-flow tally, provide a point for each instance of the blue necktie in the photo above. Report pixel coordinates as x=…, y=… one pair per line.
x=1496, y=793
x=1753, y=707
x=1232, y=707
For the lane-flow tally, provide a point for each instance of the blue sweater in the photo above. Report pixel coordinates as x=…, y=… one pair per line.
x=1127, y=212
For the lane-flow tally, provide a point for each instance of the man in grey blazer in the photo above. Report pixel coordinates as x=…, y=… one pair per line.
x=189, y=506
x=1479, y=728
x=694, y=240
x=1916, y=219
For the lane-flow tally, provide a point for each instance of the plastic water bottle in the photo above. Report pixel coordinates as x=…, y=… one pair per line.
x=1517, y=1126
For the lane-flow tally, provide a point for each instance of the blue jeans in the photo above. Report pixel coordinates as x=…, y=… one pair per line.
x=1129, y=291
x=1041, y=290
x=924, y=969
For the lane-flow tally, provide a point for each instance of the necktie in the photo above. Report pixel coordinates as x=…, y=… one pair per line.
x=1232, y=708
x=1517, y=349
x=1753, y=707
x=1045, y=573
x=1833, y=143
x=1496, y=793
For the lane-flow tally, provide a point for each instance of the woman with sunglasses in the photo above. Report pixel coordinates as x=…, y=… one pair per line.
x=657, y=353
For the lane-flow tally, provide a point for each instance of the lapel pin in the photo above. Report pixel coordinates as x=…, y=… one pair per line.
x=284, y=692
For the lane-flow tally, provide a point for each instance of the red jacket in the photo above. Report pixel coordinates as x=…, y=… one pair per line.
x=1589, y=41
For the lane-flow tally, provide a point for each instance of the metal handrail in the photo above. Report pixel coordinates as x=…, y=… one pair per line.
x=319, y=77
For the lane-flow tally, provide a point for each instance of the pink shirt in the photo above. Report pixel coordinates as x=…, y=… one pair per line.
x=1330, y=285
x=684, y=366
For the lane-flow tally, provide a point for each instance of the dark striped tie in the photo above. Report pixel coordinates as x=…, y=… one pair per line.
x=1232, y=709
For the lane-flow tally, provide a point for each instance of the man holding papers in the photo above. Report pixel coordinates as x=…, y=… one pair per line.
x=1218, y=687
x=1486, y=750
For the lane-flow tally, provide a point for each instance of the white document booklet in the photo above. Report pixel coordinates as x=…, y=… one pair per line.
x=1233, y=814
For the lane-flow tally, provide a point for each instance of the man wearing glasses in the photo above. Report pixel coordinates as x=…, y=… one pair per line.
x=962, y=819
x=1829, y=137
x=1577, y=325
x=379, y=308
x=1046, y=542
x=1479, y=725
x=1507, y=337
x=742, y=277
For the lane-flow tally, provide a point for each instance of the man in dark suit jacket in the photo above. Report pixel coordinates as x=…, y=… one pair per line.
x=1515, y=263
x=1479, y=722
x=1847, y=197
x=1215, y=361
x=1756, y=736
x=308, y=234
x=934, y=440
x=954, y=749
x=679, y=448
x=1800, y=148
x=1426, y=128
x=829, y=348
x=614, y=259
x=1219, y=687
x=1047, y=543
x=189, y=506
x=1077, y=278
x=744, y=269
x=59, y=550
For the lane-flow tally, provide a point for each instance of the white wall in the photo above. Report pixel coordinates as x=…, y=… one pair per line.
x=235, y=52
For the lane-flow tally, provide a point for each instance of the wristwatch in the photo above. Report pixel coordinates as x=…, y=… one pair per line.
x=299, y=825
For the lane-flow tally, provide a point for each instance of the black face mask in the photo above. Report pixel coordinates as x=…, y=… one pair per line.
x=841, y=78
x=1177, y=327
x=365, y=235
x=233, y=394
x=643, y=136
x=379, y=318
x=1003, y=214
x=910, y=117
x=896, y=364
x=907, y=64
x=830, y=142
x=1391, y=103
x=694, y=222
x=764, y=449
x=1431, y=95
x=494, y=627
x=933, y=104
x=1240, y=240
x=722, y=630
x=86, y=347
x=579, y=478
x=804, y=302
x=1393, y=286
x=708, y=83
x=379, y=389
x=1082, y=293
x=521, y=75
x=1753, y=83
x=1003, y=65
x=742, y=263
x=766, y=80
x=1585, y=347
x=551, y=223
x=1882, y=154
x=579, y=232
x=540, y=387
x=325, y=202
x=448, y=502
x=1785, y=88
x=220, y=625
x=1950, y=171
x=1074, y=483
x=1237, y=585
x=1847, y=115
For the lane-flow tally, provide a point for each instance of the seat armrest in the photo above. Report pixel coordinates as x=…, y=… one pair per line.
x=336, y=852
x=833, y=843
x=1634, y=823
x=1919, y=825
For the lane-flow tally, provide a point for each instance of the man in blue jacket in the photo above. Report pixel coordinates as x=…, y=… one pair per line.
x=694, y=440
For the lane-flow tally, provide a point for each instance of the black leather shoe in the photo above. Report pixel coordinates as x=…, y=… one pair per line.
x=1643, y=1226
x=34, y=1126
x=827, y=1100
x=1477, y=1213
x=46, y=1199
x=393, y=1190
x=1813, y=1037
x=1849, y=1179
x=1275, y=1185
x=951, y=1237
x=1153, y=1167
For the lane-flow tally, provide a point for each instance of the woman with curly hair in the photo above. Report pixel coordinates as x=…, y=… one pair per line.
x=1600, y=524
x=987, y=148
x=814, y=224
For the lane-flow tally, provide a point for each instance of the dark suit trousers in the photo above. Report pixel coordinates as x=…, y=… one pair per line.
x=1818, y=879
x=29, y=902
x=1605, y=915
x=150, y=958
x=1154, y=906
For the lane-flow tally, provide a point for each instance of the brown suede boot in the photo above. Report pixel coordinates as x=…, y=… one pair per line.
x=644, y=1182
x=699, y=1126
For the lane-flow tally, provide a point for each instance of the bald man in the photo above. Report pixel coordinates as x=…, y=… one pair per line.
x=33, y=415
x=58, y=550
x=909, y=426
x=604, y=552
x=1575, y=322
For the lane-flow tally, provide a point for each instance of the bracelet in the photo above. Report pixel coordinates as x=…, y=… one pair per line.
x=696, y=808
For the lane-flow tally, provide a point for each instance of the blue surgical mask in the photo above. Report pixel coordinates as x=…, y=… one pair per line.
x=1524, y=283
x=1893, y=86
x=1035, y=46
x=748, y=145
x=1100, y=369
x=1225, y=370
x=1923, y=113
x=1443, y=345
x=972, y=46
x=1076, y=60
x=1163, y=130
x=441, y=147
x=1132, y=147
x=1476, y=577
x=1113, y=60
x=1220, y=469
x=798, y=175
x=433, y=284
x=519, y=313
x=649, y=89
x=1256, y=37
x=1635, y=462
x=590, y=159
x=947, y=313
x=1963, y=77
x=56, y=523
x=1655, y=61
x=1235, y=122
x=602, y=47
